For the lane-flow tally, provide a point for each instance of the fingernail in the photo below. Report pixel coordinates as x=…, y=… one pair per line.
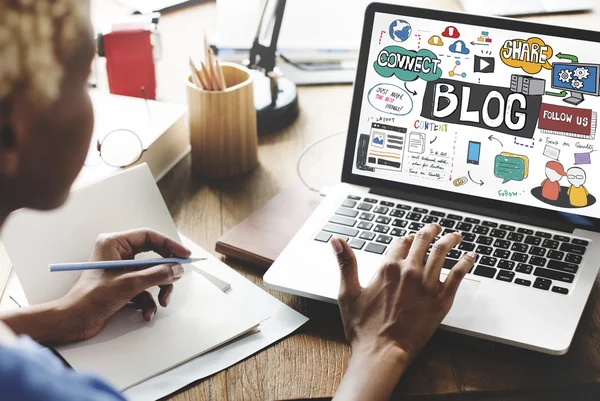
x=337, y=246
x=472, y=255
x=177, y=271
x=168, y=299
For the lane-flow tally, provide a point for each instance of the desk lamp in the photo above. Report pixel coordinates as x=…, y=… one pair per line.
x=275, y=97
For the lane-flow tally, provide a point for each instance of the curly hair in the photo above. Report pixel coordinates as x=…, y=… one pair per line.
x=37, y=37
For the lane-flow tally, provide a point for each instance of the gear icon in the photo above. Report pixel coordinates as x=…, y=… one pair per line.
x=565, y=76
x=576, y=84
x=581, y=73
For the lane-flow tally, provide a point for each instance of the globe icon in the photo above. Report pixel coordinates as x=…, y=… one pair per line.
x=400, y=30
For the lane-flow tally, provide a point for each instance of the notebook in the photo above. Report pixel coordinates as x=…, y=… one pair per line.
x=129, y=350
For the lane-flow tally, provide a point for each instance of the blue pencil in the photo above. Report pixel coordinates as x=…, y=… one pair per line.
x=120, y=264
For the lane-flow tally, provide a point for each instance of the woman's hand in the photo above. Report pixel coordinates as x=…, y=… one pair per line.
x=390, y=321
x=98, y=294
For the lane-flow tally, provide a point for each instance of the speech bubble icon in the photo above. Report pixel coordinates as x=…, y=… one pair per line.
x=390, y=99
x=511, y=167
x=551, y=152
x=530, y=55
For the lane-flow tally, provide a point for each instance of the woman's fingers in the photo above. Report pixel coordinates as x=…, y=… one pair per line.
x=145, y=302
x=141, y=280
x=349, y=284
x=144, y=240
x=400, y=247
x=421, y=243
x=457, y=273
x=164, y=296
x=437, y=256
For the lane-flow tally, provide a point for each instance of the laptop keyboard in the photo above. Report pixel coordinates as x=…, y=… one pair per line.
x=505, y=252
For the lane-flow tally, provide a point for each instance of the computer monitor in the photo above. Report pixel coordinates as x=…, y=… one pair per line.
x=577, y=78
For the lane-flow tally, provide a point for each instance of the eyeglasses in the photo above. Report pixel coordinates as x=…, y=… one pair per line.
x=119, y=148
x=573, y=177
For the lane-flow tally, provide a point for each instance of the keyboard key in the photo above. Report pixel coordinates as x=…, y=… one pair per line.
x=519, y=257
x=482, y=239
x=447, y=223
x=323, y=237
x=519, y=248
x=342, y=211
x=414, y=216
x=381, y=210
x=571, y=258
x=365, y=206
x=454, y=254
x=448, y=231
x=543, y=234
x=449, y=263
x=580, y=242
x=397, y=213
x=549, y=243
x=368, y=235
x=455, y=217
x=489, y=224
x=367, y=216
x=400, y=223
x=525, y=231
x=520, y=281
x=560, y=290
x=356, y=243
x=384, y=239
x=524, y=268
x=502, y=244
x=430, y=219
x=562, y=238
x=557, y=255
x=379, y=228
x=353, y=197
x=554, y=275
x=383, y=220
x=375, y=248
x=507, y=227
x=385, y=203
x=501, y=253
x=481, y=230
x=464, y=226
x=363, y=225
x=416, y=226
x=398, y=232
x=420, y=210
x=485, y=271
x=484, y=250
x=472, y=220
x=498, y=233
x=576, y=249
x=345, y=221
x=515, y=237
x=437, y=214
x=563, y=266
x=488, y=261
x=542, y=284
x=335, y=229
x=342, y=237
x=537, y=261
x=531, y=240
x=403, y=207
x=468, y=237
x=371, y=200
x=349, y=203
x=506, y=264
x=505, y=275
x=466, y=246
x=537, y=251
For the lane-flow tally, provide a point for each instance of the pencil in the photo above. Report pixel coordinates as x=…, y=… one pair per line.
x=121, y=264
x=195, y=77
x=220, y=75
x=207, y=77
x=213, y=70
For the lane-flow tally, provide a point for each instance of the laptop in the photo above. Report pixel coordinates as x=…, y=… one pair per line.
x=487, y=127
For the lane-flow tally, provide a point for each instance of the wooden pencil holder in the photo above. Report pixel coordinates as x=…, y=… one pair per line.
x=223, y=130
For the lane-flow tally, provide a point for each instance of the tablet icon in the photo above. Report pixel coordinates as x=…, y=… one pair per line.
x=484, y=65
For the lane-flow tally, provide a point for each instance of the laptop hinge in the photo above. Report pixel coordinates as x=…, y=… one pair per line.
x=470, y=208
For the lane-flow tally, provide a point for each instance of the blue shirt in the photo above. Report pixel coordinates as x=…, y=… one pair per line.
x=29, y=372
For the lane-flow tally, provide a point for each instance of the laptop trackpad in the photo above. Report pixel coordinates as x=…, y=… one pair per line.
x=463, y=300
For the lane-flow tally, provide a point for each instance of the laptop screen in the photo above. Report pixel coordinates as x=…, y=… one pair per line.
x=499, y=114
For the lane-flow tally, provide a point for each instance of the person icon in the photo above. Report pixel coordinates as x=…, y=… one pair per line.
x=578, y=194
x=550, y=186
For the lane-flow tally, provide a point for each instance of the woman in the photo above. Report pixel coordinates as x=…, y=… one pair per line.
x=46, y=121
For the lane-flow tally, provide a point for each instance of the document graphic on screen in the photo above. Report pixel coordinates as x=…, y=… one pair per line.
x=497, y=114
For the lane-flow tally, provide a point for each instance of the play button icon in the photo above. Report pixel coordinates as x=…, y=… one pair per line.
x=484, y=65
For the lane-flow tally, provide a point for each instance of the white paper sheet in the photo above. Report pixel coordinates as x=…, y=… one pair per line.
x=283, y=321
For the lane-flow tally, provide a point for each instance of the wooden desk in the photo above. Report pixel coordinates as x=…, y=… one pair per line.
x=310, y=364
